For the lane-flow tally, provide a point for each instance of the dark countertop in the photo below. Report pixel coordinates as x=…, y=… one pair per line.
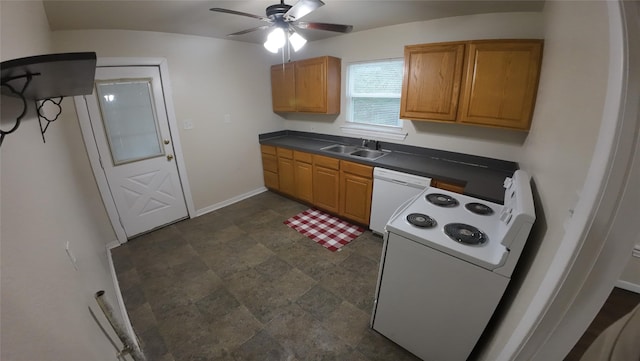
x=482, y=177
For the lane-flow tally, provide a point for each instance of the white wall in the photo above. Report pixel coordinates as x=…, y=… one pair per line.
x=209, y=78
x=389, y=42
x=49, y=197
x=630, y=278
x=559, y=148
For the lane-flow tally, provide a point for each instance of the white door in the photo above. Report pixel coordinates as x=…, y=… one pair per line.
x=129, y=122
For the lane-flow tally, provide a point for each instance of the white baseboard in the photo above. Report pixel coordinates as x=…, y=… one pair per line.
x=111, y=245
x=628, y=286
x=229, y=201
x=116, y=285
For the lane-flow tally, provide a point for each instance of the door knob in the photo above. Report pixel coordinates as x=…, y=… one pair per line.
x=166, y=141
x=169, y=157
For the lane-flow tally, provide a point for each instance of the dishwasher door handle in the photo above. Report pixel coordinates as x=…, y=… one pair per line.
x=399, y=182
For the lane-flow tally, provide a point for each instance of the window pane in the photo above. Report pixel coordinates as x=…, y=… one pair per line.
x=129, y=120
x=383, y=77
x=378, y=111
x=374, y=92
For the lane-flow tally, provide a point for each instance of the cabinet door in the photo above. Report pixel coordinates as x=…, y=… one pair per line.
x=269, y=166
x=303, y=175
x=318, y=85
x=271, y=180
x=447, y=186
x=270, y=170
x=286, y=176
x=501, y=83
x=326, y=188
x=283, y=87
x=431, y=82
x=355, y=197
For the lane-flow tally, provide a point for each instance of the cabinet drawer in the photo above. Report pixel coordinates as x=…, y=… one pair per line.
x=285, y=153
x=270, y=179
x=356, y=168
x=302, y=156
x=448, y=186
x=268, y=149
x=327, y=162
x=270, y=163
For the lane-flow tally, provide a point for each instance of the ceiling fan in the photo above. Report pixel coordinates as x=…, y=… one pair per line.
x=284, y=19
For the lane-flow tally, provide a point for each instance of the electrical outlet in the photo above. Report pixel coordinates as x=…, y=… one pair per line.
x=188, y=124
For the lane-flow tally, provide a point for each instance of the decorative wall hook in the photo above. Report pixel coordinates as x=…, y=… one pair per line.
x=47, y=78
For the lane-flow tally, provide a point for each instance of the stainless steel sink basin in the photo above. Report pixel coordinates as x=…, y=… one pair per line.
x=354, y=151
x=368, y=153
x=339, y=148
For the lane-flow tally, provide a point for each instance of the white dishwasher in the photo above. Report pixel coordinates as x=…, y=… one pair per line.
x=390, y=190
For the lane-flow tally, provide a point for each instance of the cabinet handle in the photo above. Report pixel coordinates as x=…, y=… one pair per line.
x=169, y=157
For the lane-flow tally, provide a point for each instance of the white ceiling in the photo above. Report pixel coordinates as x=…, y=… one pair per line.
x=193, y=17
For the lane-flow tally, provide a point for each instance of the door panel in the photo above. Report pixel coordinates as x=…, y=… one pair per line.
x=121, y=101
x=130, y=126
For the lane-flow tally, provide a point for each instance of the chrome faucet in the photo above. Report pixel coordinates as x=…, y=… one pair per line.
x=371, y=144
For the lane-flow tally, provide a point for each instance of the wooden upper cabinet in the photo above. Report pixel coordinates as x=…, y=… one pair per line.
x=283, y=83
x=431, y=83
x=501, y=83
x=484, y=82
x=313, y=84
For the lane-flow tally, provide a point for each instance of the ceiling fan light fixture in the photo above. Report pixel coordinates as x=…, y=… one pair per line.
x=275, y=40
x=297, y=41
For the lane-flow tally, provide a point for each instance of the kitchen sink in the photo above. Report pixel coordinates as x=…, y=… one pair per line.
x=356, y=152
x=368, y=153
x=339, y=148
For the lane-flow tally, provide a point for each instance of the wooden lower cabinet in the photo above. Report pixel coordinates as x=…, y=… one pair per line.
x=447, y=186
x=303, y=176
x=336, y=186
x=356, y=186
x=286, y=172
x=270, y=166
x=326, y=183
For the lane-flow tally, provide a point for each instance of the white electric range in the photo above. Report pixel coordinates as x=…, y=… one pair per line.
x=446, y=262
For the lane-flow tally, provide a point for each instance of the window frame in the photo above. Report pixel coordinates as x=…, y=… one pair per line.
x=395, y=132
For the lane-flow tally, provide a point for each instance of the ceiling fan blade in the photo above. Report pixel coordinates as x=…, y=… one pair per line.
x=324, y=26
x=250, y=30
x=302, y=8
x=227, y=11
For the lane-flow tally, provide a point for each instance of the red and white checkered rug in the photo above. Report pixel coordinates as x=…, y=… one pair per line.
x=326, y=230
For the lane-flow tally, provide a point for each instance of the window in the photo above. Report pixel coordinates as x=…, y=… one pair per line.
x=373, y=94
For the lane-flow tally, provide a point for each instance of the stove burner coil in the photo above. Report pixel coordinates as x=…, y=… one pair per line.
x=421, y=220
x=479, y=208
x=465, y=234
x=442, y=200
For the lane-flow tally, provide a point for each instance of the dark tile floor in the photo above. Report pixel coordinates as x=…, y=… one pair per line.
x=237, y=284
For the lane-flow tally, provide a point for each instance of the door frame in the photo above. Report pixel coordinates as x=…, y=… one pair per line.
x=92, y=148
x=599, y=238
